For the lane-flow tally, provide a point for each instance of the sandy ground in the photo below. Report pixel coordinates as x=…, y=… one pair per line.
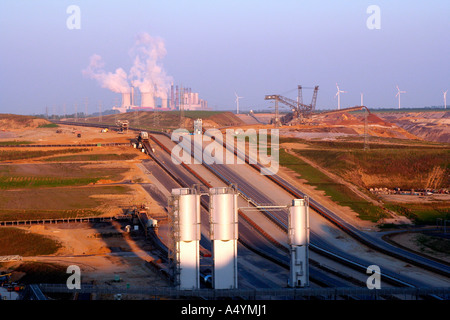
x=103, y=251
x=67, y=136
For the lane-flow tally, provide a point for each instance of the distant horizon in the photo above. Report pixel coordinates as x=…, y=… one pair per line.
x=112, y=111
x=56, y=55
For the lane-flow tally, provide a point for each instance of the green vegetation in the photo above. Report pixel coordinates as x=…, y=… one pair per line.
x=14, y=143
x=8, y=155
x=48, y=125
x=338, y=192
x=53, y=203
x=197, y=114
x=389, y=163
x=52, y=175
x=423, y=212
x=94, y=157
x=150, y=120
x=38, y=182
x=33, y=214
x=404, y=168
x=17, y=241
x=357, y=143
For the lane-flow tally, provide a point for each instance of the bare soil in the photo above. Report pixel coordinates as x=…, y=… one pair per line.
x=104, y=250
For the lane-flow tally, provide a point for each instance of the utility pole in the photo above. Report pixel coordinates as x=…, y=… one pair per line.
x=137, y=118
x=85, y=109
x=366, y=133
x=277, y=120
x=181, y=107
x=100, y=111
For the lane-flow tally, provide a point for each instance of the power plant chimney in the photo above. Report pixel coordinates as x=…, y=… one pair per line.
x=224, y=234
x=172, y=101
x=298, y=234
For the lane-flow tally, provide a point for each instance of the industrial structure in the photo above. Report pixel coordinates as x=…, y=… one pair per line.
x=298, y=236
x=299, y=110
x=224, y=234
x=184, y=251
x=175, y=98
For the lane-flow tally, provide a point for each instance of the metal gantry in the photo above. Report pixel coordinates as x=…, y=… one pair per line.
x=298, y=108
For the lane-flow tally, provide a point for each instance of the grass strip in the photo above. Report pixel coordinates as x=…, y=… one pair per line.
x=8, y=155
x=339, y=193
x=20, y=242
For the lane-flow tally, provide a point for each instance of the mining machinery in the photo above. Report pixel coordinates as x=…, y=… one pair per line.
x=299, y=109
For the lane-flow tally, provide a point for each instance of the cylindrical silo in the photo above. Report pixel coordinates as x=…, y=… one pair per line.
x=224, y=235
x=298, y=223
x=185, y=217
x=223, y=214
x=189, y=214
x=298, y=238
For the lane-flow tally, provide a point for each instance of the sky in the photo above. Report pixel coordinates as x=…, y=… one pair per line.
x=219, y=48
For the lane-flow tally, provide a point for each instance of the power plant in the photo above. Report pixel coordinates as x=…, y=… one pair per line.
x=175, y=98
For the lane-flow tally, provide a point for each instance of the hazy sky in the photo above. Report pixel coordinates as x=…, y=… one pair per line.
x=218, y=48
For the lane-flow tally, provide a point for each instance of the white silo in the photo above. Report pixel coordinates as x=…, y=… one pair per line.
x=298, y=234
x=224, y=235
x=185, y=225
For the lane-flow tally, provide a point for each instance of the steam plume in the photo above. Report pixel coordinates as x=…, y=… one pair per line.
x=146, y=73
x=116, y=81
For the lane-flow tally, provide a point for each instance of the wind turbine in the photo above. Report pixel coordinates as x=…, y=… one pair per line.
x=338, y=94
x=398, y=94
x=445, y=98
x=237, y=102
x=362, y=99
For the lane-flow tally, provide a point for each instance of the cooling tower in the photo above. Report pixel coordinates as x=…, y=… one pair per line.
x=126, y=100
x=147, y=100
x=224, y=235
x=164, y=102
x=298, y=234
